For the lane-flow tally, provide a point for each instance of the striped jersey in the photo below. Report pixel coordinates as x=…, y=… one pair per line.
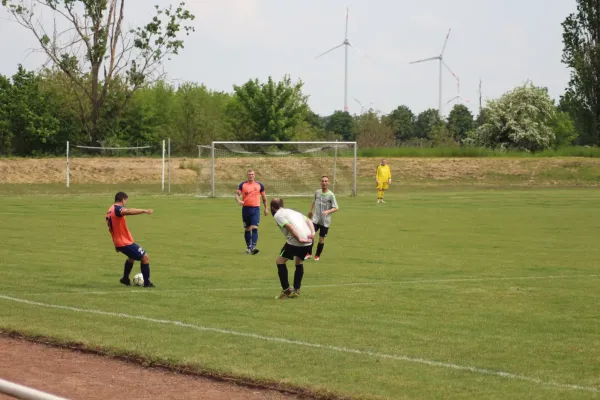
x=323, y=202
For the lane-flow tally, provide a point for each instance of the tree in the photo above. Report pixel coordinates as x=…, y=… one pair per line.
x=271, y=110
x=371, y=131
x=460, y=121
x=401, y=120
x=579, y=116
x=581, y=52
x=340, y=123
x=426, y=122
x=199, y=117
x=27, y=123
x=520, y=119
x=564, y=129
x=59, y=92
x=95, y=49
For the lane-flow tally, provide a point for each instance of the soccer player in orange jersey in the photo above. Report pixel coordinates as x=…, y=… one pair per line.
x=248, y=195
x=115, y=219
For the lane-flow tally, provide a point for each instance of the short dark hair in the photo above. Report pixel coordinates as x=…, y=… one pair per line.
x=121, y=196
x=276, y=204
x=325, y=176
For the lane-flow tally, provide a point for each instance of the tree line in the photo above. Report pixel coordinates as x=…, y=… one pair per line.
x=113, y=94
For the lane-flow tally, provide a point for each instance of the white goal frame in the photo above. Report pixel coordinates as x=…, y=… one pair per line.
x=166, y=159
x=335, y=145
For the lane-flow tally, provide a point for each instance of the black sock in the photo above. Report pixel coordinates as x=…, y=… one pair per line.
x=248, y=237
x=146, y=273
x=127, y=269
x=298, y=276
x=283, y=276
x=254, y=237
x=310, y=249
x=320, y=248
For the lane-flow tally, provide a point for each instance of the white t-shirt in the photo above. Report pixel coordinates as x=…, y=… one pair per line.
x=286, y=216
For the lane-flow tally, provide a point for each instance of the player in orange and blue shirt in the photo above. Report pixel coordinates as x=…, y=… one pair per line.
x=248, y=195
x=123, y=241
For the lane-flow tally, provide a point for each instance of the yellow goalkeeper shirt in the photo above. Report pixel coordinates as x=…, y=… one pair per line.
x=383, y=173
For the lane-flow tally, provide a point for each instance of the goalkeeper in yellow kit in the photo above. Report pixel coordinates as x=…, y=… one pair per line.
x=383, y=179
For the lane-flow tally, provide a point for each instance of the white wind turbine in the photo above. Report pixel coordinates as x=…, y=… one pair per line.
x=441, y=59
x=347, y=44
x=362, y=107
x=458, y=98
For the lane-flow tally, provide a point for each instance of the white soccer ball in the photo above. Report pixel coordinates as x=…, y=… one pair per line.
x=138, y=280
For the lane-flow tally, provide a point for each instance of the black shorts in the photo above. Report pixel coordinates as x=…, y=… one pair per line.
x=323, y=230
x=290, y=251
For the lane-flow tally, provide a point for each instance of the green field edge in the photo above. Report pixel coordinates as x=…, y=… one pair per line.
x=162, y=364
x=371, y=152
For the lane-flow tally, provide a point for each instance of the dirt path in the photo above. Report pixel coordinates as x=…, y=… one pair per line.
x=77, y=375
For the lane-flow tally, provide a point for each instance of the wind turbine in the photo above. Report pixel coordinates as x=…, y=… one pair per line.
x=458, y=97
x=441, y=59
x=347, y=44
x=480, y=80
x=362, y=107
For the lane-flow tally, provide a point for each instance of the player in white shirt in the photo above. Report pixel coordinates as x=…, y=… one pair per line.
x=299, y=234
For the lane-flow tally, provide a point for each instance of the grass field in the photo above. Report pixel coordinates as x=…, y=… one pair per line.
x=471, y=294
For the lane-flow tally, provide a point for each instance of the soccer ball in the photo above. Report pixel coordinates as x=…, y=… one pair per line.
x=138, y=280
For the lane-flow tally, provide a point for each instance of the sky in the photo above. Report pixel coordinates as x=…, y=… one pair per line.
x=502, y=43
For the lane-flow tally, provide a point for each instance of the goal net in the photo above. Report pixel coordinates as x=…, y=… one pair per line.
x=115, y=165
x=284, y=168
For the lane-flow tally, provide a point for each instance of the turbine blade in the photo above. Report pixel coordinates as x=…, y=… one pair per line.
x=356, y=100
x=445, y=43
x=452, y=99
x=360, y=53
x=448, y=68
x=347, y=11
x=330, y=50
x=425, y=59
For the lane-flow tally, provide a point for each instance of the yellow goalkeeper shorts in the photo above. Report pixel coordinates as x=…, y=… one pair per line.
x=382, y=186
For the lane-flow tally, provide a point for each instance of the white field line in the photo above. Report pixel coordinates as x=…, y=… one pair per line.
x=348, y=350
x=207, y=289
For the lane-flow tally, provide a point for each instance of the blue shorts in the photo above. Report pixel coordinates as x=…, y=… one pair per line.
x=132, y=251
x=250, y=216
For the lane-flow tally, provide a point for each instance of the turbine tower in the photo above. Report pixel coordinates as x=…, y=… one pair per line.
x=441, y=59
x=347, y=44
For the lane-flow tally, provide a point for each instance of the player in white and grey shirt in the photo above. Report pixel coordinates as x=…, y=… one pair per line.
x=321, y=209
x=299, y=233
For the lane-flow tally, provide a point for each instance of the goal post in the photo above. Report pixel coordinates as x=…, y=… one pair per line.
x=286, y=169
x=79, y=156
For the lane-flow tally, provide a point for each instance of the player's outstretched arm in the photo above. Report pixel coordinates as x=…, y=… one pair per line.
x=135, y=211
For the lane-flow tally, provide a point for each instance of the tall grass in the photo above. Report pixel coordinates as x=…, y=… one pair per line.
x=573, y=151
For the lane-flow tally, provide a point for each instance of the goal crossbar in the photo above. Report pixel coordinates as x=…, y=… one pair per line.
x=166, y=159
x=113, y=148
x=321, y=156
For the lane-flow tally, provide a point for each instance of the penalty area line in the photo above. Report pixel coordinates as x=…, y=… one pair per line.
x=347, y=350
